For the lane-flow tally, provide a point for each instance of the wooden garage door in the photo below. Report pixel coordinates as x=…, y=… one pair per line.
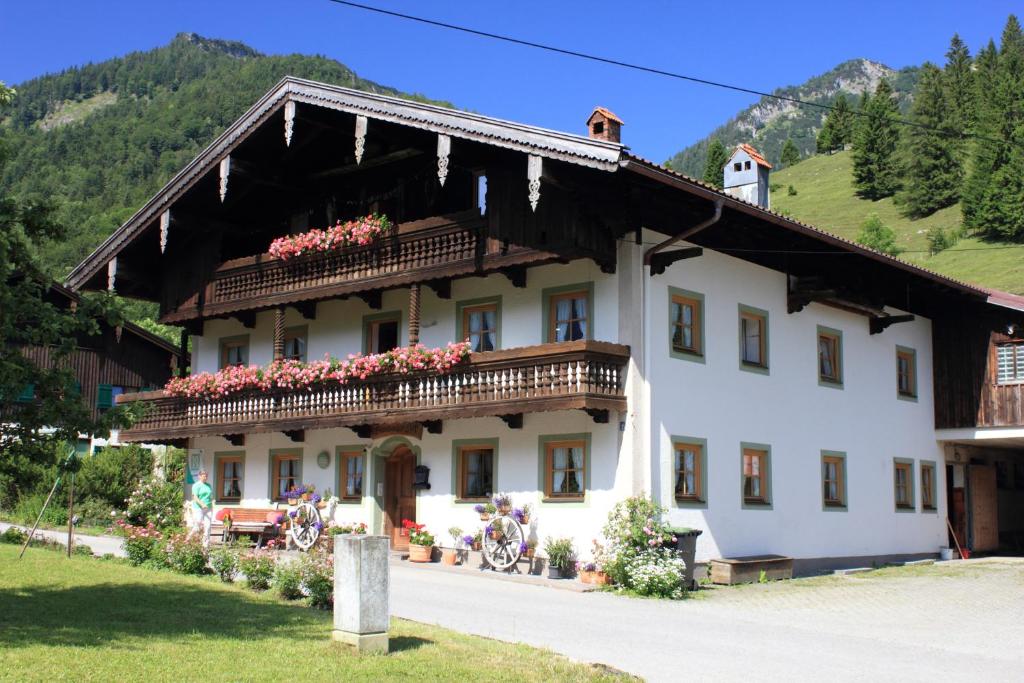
x=984, y=512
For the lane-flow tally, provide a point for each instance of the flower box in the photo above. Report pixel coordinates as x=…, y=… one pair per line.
x=420, y=553
x=596, y=578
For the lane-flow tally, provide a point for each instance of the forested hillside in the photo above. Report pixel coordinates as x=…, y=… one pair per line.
x=99, y=140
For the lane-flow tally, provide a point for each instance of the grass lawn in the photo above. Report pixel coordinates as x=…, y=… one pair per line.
x=84, y=619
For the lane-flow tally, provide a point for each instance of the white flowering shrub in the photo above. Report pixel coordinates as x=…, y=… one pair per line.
x=156, y=502
x=657, y=573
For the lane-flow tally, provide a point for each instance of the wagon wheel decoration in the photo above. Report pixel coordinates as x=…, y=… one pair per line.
x=502, y=542
x=305, y=525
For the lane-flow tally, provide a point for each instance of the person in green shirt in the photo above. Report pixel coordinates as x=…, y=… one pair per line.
x=202, y=508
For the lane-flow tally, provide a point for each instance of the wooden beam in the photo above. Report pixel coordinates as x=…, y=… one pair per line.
x=235, y=439
x=307, y=309
x=296, y=435
x=414, y=315
x=514, y=421
x=598, y=415
x=877, y=325
x=433, y=426
x=367, y=163
x=247, y=318
x=664, y=259
x=279, y=333
x=442, y=288
x=362, y=431
x=372, y=299
x=516, y=275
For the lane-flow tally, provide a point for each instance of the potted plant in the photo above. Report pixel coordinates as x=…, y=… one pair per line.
x=421, y=541
x=318, y=500
x=478, y=540
x=531, y=549
x=495, y=530
x=592, y=572
x=293, y=494
x=561, y=557
x=485, y=510
x=503, y=503
x=522, y=515
x=307, y=492
x=450, y=556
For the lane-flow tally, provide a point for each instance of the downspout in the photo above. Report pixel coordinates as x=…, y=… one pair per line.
x=689, y=232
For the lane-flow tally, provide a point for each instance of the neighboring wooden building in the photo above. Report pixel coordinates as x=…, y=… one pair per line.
x=767, y=382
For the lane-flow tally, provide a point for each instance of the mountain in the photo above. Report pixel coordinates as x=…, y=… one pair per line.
x=769, y=122
x=98, y=140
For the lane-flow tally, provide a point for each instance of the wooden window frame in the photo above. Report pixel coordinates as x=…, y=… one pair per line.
x=837, y=458
x=553, y=301
x=297, y=332
x=237, y=341
x=551, y=295
x=219, y=460
x=465, y=308
x=904, y=465
x=684, y=297
x=342, y=457
x=760, y=315
x=1018, y=373
x=370, y=322
x=276, y=456
x=929, y=488
x=764, y=452
x=911, y=355
x=835, y=339
x=548, y=445
x=461, y=463
x=699, y=446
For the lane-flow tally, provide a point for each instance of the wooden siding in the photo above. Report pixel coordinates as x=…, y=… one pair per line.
x=584, y=375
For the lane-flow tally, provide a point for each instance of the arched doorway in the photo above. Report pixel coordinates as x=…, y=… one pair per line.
x=399, y=495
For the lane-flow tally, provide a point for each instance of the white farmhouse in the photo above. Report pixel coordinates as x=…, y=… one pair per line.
x=632, y=331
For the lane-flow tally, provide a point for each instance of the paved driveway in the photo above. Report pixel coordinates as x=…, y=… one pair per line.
x=955, y=621
x=100, y=545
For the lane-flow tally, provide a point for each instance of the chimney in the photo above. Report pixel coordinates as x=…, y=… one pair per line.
x=745, y=176
x=604, y=125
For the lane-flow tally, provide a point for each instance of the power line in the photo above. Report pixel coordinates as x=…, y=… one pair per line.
x=653, y=70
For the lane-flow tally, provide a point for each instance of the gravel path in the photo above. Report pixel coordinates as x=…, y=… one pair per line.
x=101, y=545
x=957, y=621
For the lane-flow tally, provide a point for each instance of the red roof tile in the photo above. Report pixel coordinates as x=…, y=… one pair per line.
x=754, y=154
x=608, y=114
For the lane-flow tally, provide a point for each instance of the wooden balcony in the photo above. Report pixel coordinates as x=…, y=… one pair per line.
x=428, y=251
x=583, y=375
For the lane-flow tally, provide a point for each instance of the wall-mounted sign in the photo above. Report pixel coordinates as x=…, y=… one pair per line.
x=323, y=460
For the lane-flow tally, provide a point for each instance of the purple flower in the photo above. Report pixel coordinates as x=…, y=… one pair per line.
x=523, y=547
x=480, y=509
x=517, y=515
x=292, y=513
x=319, y=526
x=488, y=529
x=467, y=539
x=317, y=498
x=280, y=518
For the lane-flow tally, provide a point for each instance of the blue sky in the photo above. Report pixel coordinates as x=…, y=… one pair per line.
x=758, y=45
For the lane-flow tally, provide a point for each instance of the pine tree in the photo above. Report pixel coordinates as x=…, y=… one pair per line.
x=790, y=154
x=958, y=85
x=823, y=143
x=837, y=130
x=715, y=164
x=933, y=172
x=875, y=166
x=982, y=149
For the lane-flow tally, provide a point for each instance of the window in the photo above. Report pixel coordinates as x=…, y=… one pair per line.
x=569, y=316
x=737, y=167
x=746, y=165
x=903, y=482
x=689, y=466
x=1010, y=363
x=476, y=472
x=565, y=469
x=295, y=343
x=598, y=127
x=104, y=396
x=480, y=326
x=755, y=476
x=234, y=351
x=906, y=373
x=381, y=333
x=229, y=478
x=286, y=471
x=830, y=357
x=833, y=480
x=753, y=339
x=351, y=464
x=686, y=323
x=928, y=486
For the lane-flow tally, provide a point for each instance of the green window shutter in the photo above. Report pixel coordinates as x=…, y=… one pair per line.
x=76, y=392
x=104, y=396
x=28, y=393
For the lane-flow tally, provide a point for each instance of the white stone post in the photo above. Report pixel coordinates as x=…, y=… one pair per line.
x=362, y=592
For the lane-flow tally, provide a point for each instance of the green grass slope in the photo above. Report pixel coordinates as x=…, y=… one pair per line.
x=825, y=198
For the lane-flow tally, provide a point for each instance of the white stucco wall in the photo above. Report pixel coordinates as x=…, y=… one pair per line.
x=788, y=410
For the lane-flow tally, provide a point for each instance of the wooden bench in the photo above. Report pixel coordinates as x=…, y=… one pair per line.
x=731, y=570
x=248, y=522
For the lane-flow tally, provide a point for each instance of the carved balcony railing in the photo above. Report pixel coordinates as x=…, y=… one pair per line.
x=582, y=375
x=433, y=249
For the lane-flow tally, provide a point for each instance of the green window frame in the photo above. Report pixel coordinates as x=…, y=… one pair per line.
x=903, y=481
x=830, y=357
x=677, y=299
x=698, y=478
x=221, y=458
x=833, y=482
x=548, y=326
x=745, y=336
x=548, y=440
x=343, y=455
x=459, y=448
x=464, y=308
x=763, y=471
x=905, y=354
x=28, y=394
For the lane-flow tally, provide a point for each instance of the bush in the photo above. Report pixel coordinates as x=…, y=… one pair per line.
x=185, y=554
x=656, y=573
x=94, y=512
x=561, y=553
x=288, y=581
x=111, y=474
x=14, y=536
x=156, y=502
x=878, y=236
x=83, y=550
x=258, y=567
x=29, y=506
x=317, y=575
x=225, y=562
x=141, y=543
x=791, y=191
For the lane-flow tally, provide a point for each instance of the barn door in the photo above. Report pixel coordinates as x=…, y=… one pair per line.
x=984, y=511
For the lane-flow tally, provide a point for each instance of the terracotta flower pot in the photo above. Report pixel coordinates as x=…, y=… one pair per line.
x=293, y=501
x=321, y=505
x=525, y=520
x=530, y=553
x=476, y=545
x=596, y=578
x=504, y=509
x=449, y=557
x=307, y=496
x=485, y=516
x=420, y=553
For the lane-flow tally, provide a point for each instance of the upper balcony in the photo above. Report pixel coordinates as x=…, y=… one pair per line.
x=580, y=375
x=429, y=251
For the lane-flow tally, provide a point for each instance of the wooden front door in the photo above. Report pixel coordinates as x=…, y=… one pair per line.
x=399, y=496
x=984, y=513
